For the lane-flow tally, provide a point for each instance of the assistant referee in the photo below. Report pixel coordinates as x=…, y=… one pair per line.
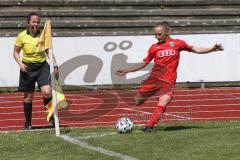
x=33, y=66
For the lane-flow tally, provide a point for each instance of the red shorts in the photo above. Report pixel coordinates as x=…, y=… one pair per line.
x=153, y=86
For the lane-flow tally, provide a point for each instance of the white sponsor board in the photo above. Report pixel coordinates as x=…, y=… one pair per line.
x=102, y=55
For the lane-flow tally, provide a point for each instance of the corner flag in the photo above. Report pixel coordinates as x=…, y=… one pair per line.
x=45, y=44
x=61, y=102
x=45, y=39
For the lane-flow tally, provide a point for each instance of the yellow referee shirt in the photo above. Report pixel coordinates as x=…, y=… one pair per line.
x=28, y=44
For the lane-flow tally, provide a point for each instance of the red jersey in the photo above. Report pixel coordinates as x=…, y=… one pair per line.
x=166, y=59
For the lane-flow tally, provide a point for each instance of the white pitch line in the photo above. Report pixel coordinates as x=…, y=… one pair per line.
x=96, y=135
x=32, y=130
x=103, y=134
x=97, y=149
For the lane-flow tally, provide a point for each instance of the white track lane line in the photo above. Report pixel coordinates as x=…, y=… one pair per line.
x=173, y=115
x=182, y=117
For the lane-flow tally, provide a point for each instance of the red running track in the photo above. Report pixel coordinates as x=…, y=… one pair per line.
x=94, y=108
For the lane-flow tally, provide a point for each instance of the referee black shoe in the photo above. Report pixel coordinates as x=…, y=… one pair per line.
x=52, y=122
x=147, y=129
x=27, y=126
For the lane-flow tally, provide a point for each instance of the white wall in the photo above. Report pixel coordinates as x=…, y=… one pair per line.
x=215, y=67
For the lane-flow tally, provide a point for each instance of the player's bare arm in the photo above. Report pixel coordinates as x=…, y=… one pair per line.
x=202, y=50
x=17, y=58
x=133, y=68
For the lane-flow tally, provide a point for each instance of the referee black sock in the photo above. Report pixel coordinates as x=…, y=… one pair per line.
x=28, y=112
x=46, y=100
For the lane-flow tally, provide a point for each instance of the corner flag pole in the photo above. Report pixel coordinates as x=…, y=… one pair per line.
x=54, y=95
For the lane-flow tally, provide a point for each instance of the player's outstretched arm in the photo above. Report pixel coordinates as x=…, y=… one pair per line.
x=133, y=68
x=202, y=50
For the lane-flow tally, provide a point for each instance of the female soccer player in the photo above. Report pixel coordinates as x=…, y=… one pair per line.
x=33, y=66
x=162, y=79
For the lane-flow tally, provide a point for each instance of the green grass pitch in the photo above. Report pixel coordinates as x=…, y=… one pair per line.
x=179, y=141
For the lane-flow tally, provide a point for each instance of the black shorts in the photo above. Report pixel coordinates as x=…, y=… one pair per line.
x=36, y=72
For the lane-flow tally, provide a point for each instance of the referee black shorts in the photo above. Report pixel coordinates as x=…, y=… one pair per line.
x=36, y=72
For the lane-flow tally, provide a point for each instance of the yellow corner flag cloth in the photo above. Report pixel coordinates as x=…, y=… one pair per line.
x=45, y=39
x=61, y=102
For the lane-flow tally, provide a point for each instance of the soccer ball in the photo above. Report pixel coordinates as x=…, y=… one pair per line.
x=124, y=125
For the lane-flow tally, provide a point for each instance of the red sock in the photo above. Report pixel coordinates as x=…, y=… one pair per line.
x=156, y=115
